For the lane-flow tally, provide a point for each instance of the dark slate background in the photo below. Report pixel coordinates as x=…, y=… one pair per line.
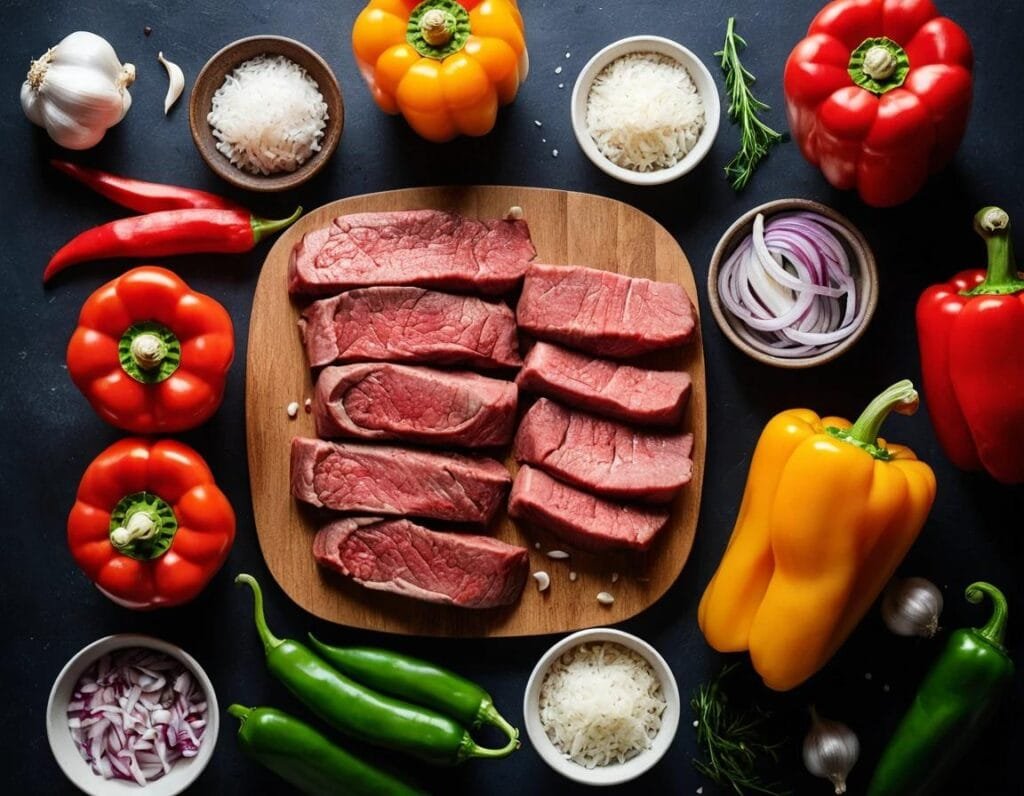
x=50, y=434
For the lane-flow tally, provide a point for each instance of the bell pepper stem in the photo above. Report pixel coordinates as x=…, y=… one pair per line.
x=261, y=227
x=148, y=351
x=995, y=629
x=879, y=65
x=270, y=641
x=900, y=397
x=993, y=224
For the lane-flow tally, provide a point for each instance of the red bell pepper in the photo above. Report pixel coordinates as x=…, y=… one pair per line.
x=150, y=354
x=878, y=95
x=971, y=334
x=149, y=525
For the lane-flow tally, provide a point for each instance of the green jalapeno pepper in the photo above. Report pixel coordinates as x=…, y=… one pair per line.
x=362, y=712
x=302, y=756
x=417, y=681
x=952, y=705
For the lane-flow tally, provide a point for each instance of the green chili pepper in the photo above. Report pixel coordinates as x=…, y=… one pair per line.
x=303, y=757
x=951, y=707
x=417, y=681
x=359, y=711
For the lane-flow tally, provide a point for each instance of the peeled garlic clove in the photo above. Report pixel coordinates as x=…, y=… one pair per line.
x=176, y=83
x=831, y=750
x=543, y=579
x=912, y=607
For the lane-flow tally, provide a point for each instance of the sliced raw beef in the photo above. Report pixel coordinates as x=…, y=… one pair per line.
x=637, y=395
x=428, y=248
x=409, y=324
x=603, y=313
x=384, y=401
x=401, y=557
x=581, y=519
x=603, y=456
x=383, y=479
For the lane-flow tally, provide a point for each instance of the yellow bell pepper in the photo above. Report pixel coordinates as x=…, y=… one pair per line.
x=829, y=512
x=444, y=65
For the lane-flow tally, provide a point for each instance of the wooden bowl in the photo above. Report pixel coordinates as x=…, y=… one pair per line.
x=212, y=78
x=862, y=264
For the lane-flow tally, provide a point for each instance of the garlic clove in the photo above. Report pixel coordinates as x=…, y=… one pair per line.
x=176, y=82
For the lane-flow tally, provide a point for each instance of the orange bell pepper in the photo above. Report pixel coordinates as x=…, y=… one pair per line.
x=444, y=65
x=149, y=525
x=829, y=512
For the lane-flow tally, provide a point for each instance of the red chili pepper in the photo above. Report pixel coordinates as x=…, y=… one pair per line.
x=140, y=196
x=165, y=233
x=971, y=334
x=878, y=95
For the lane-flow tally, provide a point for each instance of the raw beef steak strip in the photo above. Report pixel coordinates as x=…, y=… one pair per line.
x=637, y=395
x=401, y=557
x=579, y=518
x=383, y=479
x=604, y=313
x=429, y=248
x=409, y=324
x=384, y=401
x=603, y=456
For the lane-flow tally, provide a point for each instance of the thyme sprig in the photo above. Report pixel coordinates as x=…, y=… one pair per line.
x=756, y=138
x=732, y=741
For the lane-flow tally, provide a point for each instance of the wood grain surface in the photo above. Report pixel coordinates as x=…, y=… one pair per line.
x=567, y=228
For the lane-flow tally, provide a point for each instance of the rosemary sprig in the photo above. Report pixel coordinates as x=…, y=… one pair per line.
x=756, y=138
x=732, y=741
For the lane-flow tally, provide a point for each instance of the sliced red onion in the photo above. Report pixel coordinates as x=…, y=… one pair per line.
x=126, y=709
x=790, y=286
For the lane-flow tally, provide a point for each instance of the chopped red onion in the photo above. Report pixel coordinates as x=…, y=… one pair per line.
x=790, y=286
x=134, y=713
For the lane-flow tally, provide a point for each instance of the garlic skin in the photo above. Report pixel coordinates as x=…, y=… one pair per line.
x=77, y=90
x=831, y=750
x=912, y=607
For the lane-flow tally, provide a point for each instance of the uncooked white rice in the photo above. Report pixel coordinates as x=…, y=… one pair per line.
x=644, y=112
x=601, y=704
x=269, y=116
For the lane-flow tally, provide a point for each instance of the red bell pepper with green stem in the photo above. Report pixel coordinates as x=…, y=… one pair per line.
x=971, y=335
x=149, y=525
x=878, y=95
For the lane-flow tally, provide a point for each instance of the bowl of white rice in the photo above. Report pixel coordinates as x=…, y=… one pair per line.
x=266, y=113
x=601, y=707
x=645, y=110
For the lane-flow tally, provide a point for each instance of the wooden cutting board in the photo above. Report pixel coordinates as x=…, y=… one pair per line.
x=567, y=228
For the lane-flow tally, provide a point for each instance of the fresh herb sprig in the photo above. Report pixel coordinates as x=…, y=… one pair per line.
x=732, y=741
x=756, y=138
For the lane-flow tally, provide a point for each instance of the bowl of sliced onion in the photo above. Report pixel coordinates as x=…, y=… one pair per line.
x=793, y=284
x=130, y=713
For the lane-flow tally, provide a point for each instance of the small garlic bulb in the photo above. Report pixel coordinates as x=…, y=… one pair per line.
x=911, y=607
x=831, y=750
x=77, y=90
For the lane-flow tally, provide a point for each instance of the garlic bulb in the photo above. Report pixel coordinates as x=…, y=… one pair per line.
x=912, y=607
x=831, y=750
x=77, y=90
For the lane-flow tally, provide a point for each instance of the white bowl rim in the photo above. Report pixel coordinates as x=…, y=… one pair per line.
x=78, y=772
x=698, y=72
x=614, y=774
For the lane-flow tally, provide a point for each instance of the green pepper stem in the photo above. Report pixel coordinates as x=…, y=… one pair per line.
x=470, y=749
x=993, y=224
x=489, y=714
x=270, y=641
x=239, y=711
x=995, y=629
x=261, y=227
x=900, y=397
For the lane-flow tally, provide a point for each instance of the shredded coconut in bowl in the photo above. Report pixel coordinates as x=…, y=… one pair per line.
x=269, y=116
x=644, y=112
x=601, y=704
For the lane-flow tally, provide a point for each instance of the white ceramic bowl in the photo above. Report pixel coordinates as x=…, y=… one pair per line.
x=705, y=87
x=616, y=773
x=182, y=774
